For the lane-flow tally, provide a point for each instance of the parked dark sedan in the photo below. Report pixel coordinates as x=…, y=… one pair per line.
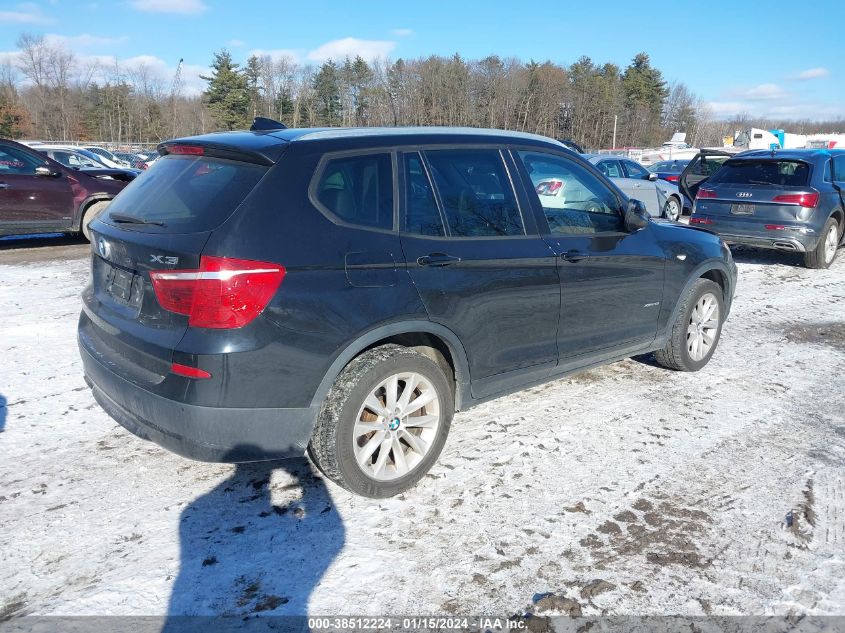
x=669, y=170
x=39, y=194
x=788, y=200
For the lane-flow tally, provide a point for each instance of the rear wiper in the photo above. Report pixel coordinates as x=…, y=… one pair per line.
x=131, y=219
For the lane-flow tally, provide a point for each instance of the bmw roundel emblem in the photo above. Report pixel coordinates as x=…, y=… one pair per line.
x=103, y=248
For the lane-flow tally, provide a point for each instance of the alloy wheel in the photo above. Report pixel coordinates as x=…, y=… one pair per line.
x=703, y=327
x=396, y=426
x=831, y=242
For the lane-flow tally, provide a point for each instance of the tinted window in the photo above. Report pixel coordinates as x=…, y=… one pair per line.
x=708, y=165
x=839, y=168
x=827, y=173
x=15, y=161
x=781, y=173
x=190, y=193
x=422, y=215
x=359, y=189
x=634, y=170
x=476, y=193
x=611, y=168
x=574, y=200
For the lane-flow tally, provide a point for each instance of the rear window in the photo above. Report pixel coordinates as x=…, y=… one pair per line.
x=187, y=193
x=778, y=173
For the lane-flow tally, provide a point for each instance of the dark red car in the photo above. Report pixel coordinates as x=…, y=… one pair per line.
x=39, y=195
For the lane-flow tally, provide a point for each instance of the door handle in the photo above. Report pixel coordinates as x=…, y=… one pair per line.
x=574, y=256
x=437, y=259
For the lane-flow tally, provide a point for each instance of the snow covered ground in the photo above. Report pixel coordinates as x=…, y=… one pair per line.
x=671, y=489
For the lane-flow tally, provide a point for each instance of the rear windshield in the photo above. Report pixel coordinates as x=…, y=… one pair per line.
x=187, y=193
x=779, y=173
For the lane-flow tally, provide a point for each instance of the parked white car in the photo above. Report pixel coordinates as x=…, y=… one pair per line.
x=107, y=157
x=661, y=198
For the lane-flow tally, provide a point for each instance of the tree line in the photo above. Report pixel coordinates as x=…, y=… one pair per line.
x=49, y=93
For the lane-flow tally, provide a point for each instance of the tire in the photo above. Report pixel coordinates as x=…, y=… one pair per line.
x=673, y=209
x=91, y=212
x=824, y=253
x=680, y=352
x=350, y=455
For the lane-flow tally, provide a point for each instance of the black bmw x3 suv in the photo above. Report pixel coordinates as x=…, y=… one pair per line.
x=344, y=291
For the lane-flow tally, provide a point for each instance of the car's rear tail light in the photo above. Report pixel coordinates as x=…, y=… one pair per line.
x=189, y=150
x=700, y=219
x=672, y=178
x=190, y=372
x=801, y=199
x=705, y=193
x=222, y=293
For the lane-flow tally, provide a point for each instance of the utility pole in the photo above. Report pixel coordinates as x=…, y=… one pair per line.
x=615, y=117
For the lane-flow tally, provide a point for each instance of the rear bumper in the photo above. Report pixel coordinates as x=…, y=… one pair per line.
x=207, y=434
x=782, y=242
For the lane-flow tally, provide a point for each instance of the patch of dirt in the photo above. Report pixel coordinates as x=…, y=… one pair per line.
x=830, y=334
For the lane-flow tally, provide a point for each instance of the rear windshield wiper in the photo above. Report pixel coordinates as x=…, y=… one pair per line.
x=131, y=219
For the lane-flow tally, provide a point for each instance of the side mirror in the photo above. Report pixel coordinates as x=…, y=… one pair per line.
x=636, y=216
x=652, y=177
x=44, y=170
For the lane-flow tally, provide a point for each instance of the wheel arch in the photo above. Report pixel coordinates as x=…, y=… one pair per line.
x=716, y=271
x=432, y=339
x=86, y=204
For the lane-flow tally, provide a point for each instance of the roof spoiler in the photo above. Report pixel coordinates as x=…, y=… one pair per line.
x=263, y=124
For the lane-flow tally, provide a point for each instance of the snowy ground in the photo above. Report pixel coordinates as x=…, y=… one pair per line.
x=673, y=489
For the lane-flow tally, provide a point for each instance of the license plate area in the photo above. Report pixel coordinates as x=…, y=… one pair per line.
x=743, y=209
x=124, y=286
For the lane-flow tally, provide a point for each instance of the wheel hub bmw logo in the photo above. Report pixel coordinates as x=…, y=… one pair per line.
x=394, y=424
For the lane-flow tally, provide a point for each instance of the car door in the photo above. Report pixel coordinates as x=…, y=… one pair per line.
x=611, y=279
x=29, y=200
x=700, y=168
x=480, y=267
x=644, y=188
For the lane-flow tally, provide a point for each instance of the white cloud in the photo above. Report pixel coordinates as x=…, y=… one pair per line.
x=402, y=32
x=787, y=108
x=813, y=73
x=170, y=6
x=276, y=54
x=350, y=47
x=84, y=40
x=235, y=43
x=764, y=92
x=26, y=13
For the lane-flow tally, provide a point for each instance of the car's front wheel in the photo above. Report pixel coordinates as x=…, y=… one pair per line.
x=824, y=253
x=384, y=422
x=696, y=330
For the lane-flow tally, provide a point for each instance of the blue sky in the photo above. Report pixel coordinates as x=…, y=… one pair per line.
x=738, y=56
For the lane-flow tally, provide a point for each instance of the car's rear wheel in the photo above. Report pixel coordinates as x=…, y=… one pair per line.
x=672, y=209
x=824, y=253
x=89, y=214
x=696, y=330
x=384, y=422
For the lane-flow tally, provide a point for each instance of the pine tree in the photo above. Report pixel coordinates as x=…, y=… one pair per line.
x=228, y=93
x=327, y=94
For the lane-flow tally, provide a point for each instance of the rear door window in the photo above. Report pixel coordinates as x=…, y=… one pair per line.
x=778, y=173
x=476, y=193
x=358, y=190
x=187, y=193
x=611, y=168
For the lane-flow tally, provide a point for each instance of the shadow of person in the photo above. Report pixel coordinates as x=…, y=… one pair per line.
x=3, y=412
x=255, y=545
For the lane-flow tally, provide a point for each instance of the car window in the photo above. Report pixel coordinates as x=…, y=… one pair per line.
x=635, y=171
x=422, y=215
x=827, y=170
x=14, y=161
x=782, y=173
x=610, y=168
x=358, y=189
x=708, y=165
x=476, y=193
x=573, y=199
x=839, y=168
